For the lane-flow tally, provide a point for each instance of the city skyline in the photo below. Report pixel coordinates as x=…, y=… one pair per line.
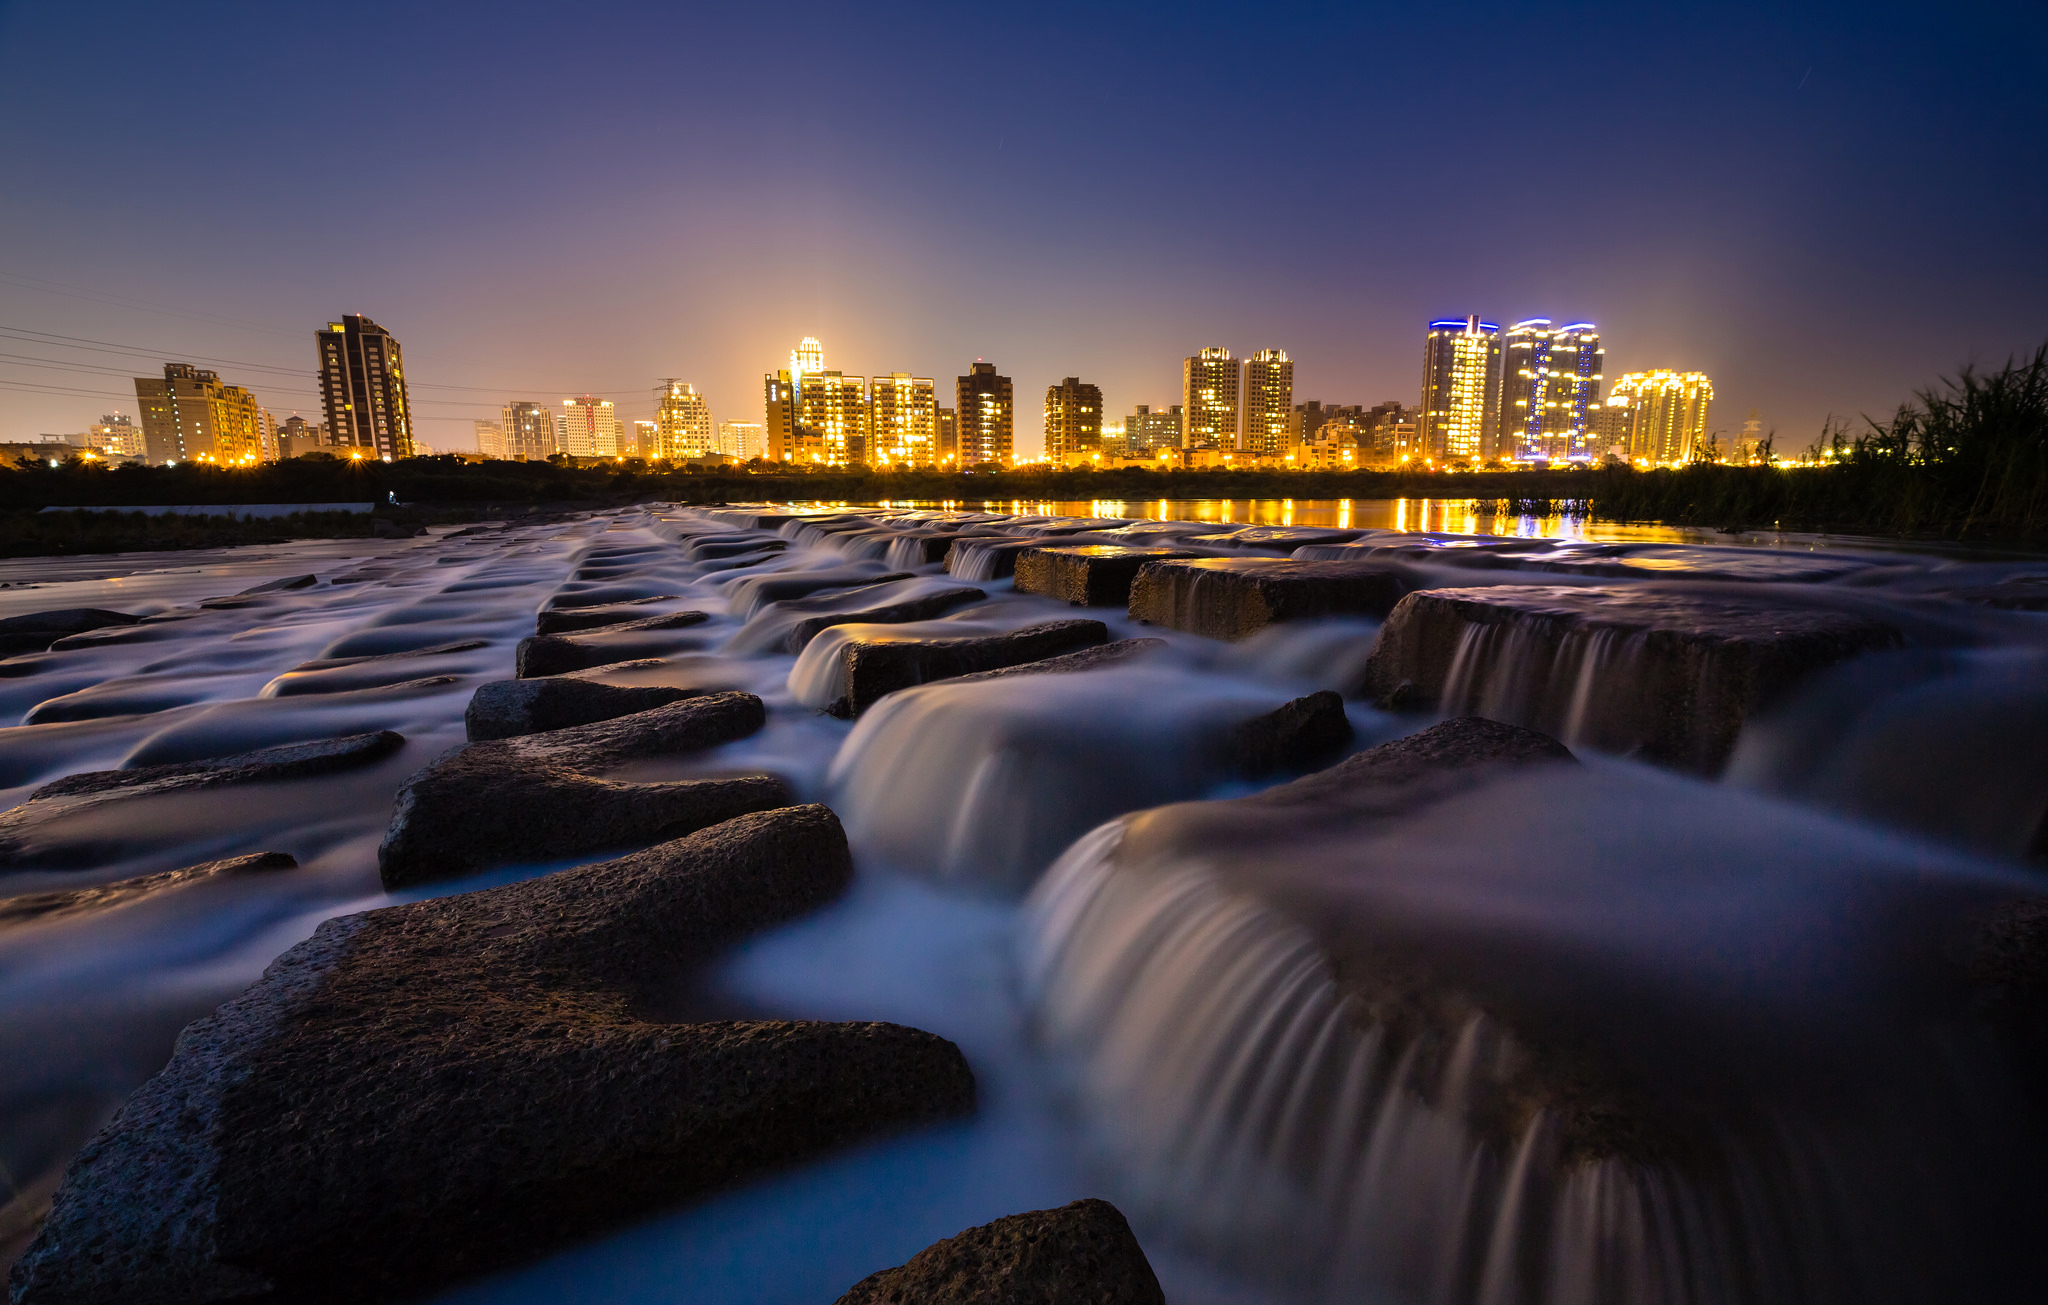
x=1767, y=259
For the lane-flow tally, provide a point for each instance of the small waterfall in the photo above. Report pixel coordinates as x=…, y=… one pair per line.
x=976, y=559
x=1584, y=688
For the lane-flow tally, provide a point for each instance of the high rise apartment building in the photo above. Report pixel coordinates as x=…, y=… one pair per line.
x=1073, y=422
x=1209, y=400
x=530, y=432
x=745, y=440
x=986, y=406
x=1460, y=390
x=903, y=420
x=1146, y=431
x=946, y=437
x=362, y=384
x=1549, y=391
x=1268, y=403
x=832, y=411
x=115, y=436
x=1667, y=414
x=190, y=416
x=779, y=395
x=588, y=427
x=490, y=438
x=638, y=440
x=682, y=423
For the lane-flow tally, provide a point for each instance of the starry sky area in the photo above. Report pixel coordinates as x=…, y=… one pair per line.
x=1822, y=207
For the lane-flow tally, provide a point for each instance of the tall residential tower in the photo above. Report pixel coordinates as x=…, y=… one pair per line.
x=1208, y=400
x=362, y=384
x=1268, y=402
x=1460, y=388
x=985, y=408
x=1073, y=422
x=1549, y=391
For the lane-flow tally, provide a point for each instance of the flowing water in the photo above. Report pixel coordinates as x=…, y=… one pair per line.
x=1150, y=1000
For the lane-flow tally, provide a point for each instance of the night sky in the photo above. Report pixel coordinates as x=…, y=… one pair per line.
x=1822, y=208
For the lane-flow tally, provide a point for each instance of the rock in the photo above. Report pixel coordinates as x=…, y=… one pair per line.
x=571, y=619
x=1236, y=597
x=555, y=654
x=369, y=671
x=1677, y=671
x=2026, y=593
x=282, y=585
x=1086, y=575
x=913, y=609
x=504, y=708
x=877, y=668
x=1079, y=1254
x=26, y=840
x=429, y=1092
x=39, y=908
x=533, y=798
x=713, y=546
x=1278, y=539
x=1298, y=735
x=36, y=631
x=1088, y=659
x=435, y=650
x=751, y=595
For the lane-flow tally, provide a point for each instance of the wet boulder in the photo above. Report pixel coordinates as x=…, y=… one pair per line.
x=1087, y=575
x=557, y=654
x=368, y=671
x=432, y=1091
x=750, y=596
x=873, y=669
x=36, y=631
x=568, y=620
x=1664, y=673
x=1236, y=597
x=537, y=797
x=505, y=708
x=1114, y=653
x=1080, y=1254
x=923, y=608
x=60, y=903
x=1298, y=735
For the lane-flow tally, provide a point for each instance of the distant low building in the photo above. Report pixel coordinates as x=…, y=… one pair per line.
x=1147, y=430
x=297, y=437
x=116, y=435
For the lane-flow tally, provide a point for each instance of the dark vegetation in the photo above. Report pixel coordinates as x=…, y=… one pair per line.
x=1967, y=458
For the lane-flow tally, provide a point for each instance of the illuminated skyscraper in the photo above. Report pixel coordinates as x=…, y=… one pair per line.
x=832, y=415
x=1208, y=400
x=530, y=434
x=1549, y=391
x=588, y=427
x=745, y=440
x=808, y=356
x=188, y=415
x=1460, y=388
x=1073, y=422
x=986, y=406
x=779, y=393
x=1146, y=431
x=903, y=420
x=1268, y=402
x=1667, y=413
x=362, y=384
x=682, y=422
x=946, y=437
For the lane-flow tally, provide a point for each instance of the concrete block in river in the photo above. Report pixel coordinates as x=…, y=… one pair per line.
x=1664, y=673
x=873, y=669
x=535, y=798
x=504, y=709
x=922, y=608
x=36, y=631
x=1086, y=575
x=1080, y=1254
x=748, y=596
x=1236, y=597
x=428, y=1092
x=568, y=620
x=555, y=654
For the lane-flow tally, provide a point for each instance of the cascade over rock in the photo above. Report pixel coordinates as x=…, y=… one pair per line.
x=1236, y=597
x=1086, y=575
x=874, y=669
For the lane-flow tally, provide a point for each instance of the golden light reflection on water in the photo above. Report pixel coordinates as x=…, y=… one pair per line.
x=1451, y=516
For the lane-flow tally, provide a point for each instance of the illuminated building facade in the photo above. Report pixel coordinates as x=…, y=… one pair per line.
x=1147, y=431
x=362, y=384
x=832, y=412
x=1549, y=391
x=1208, y=400
x=114, y=435
x=1268, y=402
x=1073, y=422
x=1667, y=414
x=986, y=406
x=1460, y=388
x=588, y=427
x=946, y=437
x=682, y=422
x=779, y=419
x=296, y=436
x=190, y=416
x=490, y=439
x=745, y=440
x=903, y=419
x=530, y=433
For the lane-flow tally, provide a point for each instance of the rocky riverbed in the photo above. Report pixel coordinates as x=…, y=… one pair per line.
x=736, y=902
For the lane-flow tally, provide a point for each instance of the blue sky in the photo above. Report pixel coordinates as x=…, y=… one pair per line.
x=1822, y=207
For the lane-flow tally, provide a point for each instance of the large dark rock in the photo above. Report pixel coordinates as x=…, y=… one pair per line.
x=1079, y=1254
x=505, y=708
x=1299, y=735
x=878, y=668
x=1663, y=673
x=557, y=654
x=534, y=798
x=367, y=671
x=36, y=631
x=428, y=1092
x=749, y=596
x=26, y=841
x=1088, y=659
x=38, y=908
x=1236, y=597
x=911, y=609
x=1086, y=575
x=569, y=620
